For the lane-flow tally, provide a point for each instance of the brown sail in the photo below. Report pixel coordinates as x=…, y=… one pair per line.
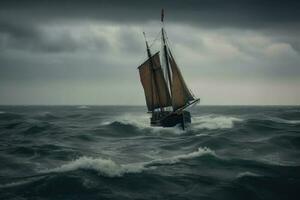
x=155, y=87
x=181, y=95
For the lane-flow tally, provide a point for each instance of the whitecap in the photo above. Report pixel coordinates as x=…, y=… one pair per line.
x=201, y=134
x=285, y=121
x=247, y=173
x=105, y=167
x=209, y=122
x=212, y=122
x=142, y=122
x=13, y=184
x=178, y=158
x=110, y=168
x=83, y=107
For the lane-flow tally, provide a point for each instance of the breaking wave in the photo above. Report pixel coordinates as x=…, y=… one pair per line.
x=110, y=168
x=285, y=121
x=247, y=173
x=178, y=158
x=211, y=122
x=139, y=121
x=83, y=107
x=13, y=184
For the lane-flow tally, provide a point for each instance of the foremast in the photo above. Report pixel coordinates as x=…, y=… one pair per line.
x=153, y=74
x=153, y=81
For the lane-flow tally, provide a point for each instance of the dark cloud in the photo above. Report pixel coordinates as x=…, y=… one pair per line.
x=81, y=46
x=215, y=13
x=21, y=21
x=32, y=37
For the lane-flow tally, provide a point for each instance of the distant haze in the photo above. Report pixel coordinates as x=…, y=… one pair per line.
x=86, y=52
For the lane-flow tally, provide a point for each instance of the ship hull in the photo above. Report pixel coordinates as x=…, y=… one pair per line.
x=170, y=119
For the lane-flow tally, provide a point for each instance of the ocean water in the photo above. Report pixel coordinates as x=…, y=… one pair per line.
x=110, y=152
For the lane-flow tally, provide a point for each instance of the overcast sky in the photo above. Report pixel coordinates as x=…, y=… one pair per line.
x=230, y=52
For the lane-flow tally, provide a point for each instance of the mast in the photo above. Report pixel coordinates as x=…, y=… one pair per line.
x=166, y=50
x=180, y=93
x=153, y=75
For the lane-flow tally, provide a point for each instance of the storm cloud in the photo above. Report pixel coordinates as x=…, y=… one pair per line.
x=86, y=52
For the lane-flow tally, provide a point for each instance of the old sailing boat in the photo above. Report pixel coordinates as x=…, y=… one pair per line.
x=167, y=95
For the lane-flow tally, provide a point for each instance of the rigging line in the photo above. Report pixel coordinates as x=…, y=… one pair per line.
x=142, y=59
x=151, y=44
x=155, y=39
x=171, y=49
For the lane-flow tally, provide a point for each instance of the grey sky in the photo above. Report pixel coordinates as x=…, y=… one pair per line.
x=87, y=52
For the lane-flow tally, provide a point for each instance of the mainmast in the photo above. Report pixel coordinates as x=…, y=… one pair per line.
x=180, y=93
x=166, y=51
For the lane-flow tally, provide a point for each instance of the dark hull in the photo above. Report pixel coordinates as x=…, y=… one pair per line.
x=170, y=119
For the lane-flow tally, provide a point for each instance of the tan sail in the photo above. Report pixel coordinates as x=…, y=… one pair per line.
x=181, y=95
x=155, y=87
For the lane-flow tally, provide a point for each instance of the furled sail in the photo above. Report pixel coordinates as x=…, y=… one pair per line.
x=181, y=95
x=154, y=84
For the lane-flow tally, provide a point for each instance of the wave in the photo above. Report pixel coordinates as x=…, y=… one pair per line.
x=247, y=173
x=13, y=184
x=2, y=112
x=290, y=114
x=83, y=107
x=7, y=116
x=39, y=127
x=105, y=167
x=209, y=122
x=178, y=158
x=110, y=168
x=285, y=121
x=286, y=141
x=141, y=122
x=266, y=123
x=212, y=122
x=46, y=115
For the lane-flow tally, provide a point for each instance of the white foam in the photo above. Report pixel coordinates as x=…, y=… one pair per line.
x=13, y=184
x=276, y=159
x=247, y=173
x=177, y=158
x=211, y=122
x=201, y=134
x=142, y=122
x=279, y=120
x=104, y=167
x=83, y=107
x=110, y=168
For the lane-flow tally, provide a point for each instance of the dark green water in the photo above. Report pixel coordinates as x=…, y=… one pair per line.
x=98, y=152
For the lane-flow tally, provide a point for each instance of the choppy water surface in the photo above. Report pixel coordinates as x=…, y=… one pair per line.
x=98, y=152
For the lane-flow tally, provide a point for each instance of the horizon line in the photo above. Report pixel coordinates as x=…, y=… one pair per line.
x=123, y=105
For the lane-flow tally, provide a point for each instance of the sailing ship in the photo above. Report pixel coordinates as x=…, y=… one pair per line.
x=167, y=95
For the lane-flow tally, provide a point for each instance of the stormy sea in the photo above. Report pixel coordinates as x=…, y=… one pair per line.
x=111, y=152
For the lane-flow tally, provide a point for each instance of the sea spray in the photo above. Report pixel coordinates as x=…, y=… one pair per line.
x=211, y=122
